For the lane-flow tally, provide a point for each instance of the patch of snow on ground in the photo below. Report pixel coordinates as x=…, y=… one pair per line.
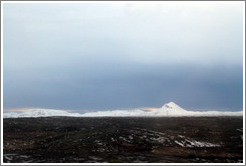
x=188, y=142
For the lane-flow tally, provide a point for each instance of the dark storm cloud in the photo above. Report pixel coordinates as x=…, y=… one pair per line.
x=108, y=56
x=112, y=86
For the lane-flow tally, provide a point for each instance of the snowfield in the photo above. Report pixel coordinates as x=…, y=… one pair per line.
x=168, y=110
x=39, y=113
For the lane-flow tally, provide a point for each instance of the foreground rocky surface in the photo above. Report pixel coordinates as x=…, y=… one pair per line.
x=155, y=140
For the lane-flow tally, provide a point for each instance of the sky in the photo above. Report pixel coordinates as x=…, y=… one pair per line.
x=121, y=55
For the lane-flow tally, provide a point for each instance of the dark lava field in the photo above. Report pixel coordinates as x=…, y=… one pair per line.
x=123, y=140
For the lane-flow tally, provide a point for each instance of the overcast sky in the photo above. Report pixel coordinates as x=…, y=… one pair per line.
x=118, y=55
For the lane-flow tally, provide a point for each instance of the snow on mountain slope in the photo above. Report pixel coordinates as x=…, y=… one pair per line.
x=119, y=113
x=168, y=110
x=39, y=113
x=172, y=109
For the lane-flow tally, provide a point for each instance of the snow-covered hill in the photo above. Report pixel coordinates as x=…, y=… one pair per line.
x=168, y=110
x=172, y=109
x=39, y=113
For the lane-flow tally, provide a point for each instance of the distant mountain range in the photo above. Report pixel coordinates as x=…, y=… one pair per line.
x=168, y=110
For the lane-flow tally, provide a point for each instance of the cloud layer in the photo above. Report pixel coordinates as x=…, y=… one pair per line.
x=123, y=55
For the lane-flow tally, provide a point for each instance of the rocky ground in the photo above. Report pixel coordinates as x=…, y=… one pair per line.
x=123, y=140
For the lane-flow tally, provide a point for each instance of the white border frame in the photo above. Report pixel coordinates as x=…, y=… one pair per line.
x=5, y=2
x=1, y=83
x=244, y=82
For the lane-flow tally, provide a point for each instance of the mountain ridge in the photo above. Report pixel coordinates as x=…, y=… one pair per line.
x=167, y=110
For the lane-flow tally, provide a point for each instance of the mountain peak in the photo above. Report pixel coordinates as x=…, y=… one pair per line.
x=170, y=105
x=172, y=108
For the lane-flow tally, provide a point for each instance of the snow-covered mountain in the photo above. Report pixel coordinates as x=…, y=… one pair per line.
x=39, y=113
x=168, y=110
x=116, y=113
x=172, y=109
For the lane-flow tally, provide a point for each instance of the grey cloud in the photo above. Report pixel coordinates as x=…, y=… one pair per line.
x=107, y=56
